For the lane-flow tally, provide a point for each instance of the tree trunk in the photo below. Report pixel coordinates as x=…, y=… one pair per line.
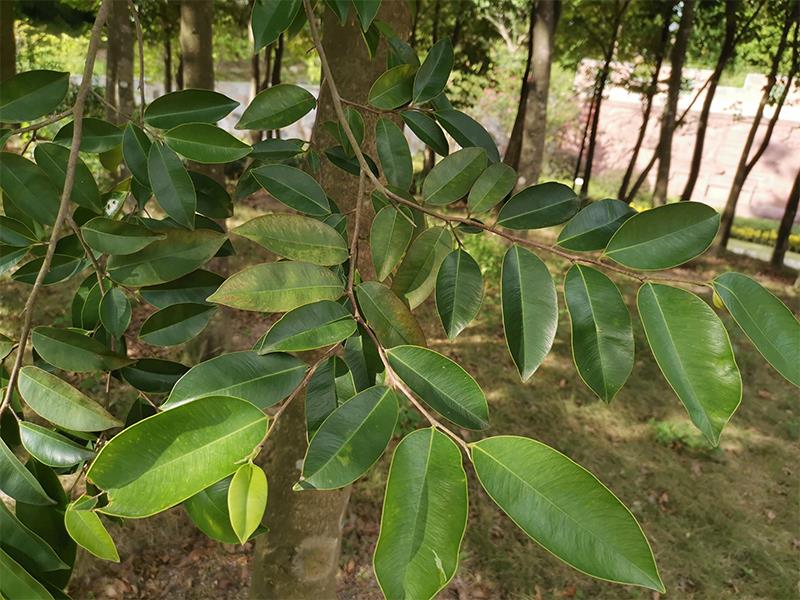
x=255, y=83
x=299, y=556
x=725, y=54
x=669, y=116
x=275, y=77
x=167, y=29
x=123, y=30
x=8, y=41
x=112, y=64
x=514, y=147
x=586, y=126
x=785, y=229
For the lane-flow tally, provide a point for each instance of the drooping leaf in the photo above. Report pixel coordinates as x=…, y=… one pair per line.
x=416, y=276
x=247, y=499
x=340, y=8
x=86, y=528
x=602, y=335
x=693, y=351
x=366, y=10
x=62, y=268
x=176, y=324
x=494, y=184
x=768, y=322
x=393, y=89
x=277, y=106
x=424, y=517
x=97, y=135
x=665, y=236
x=308, y=327
x=194, y=287
x=51, y=448
x=57, y=401
x=459, y=291
x=432, y=76
x=538, y=206
x=213, y=199
x=388, y=316
x=73, y=351
x=261, y=380
x=16, y=481
x=592, y=227
x=467, y=132
x=85, y=307
x=294, y=188
x=27, y=190
x=153, y=375
x=167, y=458
x=115, y=312
x=441, y=384
x=16, y=582
x=25, y=546
x=15, y=233
x=277, y=149
x=135, y=148
x=394, y=154
x=565, y=509
x=389, y=237
x=350, y=440
x=53, y=159
x=208, y=510
x=426, y=130
x=205, y=143
x=270, y=18
x=453, y=176
x=118, y=237
x=530, y=309
x=32, y=94
x=171, y=184
x=331, y=385
x=188, y=106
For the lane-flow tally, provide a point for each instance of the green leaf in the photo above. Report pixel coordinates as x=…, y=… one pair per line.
x=115, y=312
x=467, y=132
x=394, y=154
x=459, y=292
x=388, y=316
x=247, y=500
x=51, y=448
x=424, y=517
x=366, y=10
x=16, y=582
x=565, y=509
x=135, y=148
x=331, y=385
x=308, y=327
x=194, y=287
x=73, y=351
x=213, y=199
x=15, y=233
x=153, y=375
x=297, y=237
x=176, y=324
x=208, y=510
x=277, y=106
x=16, y=481
x=530, y=309
x=97, y=136
x=665, y=236
x=118, y=237
x=389, y=237
x=278, y=287
x=602, y=335
x=393, y=88
x=492, y=186
x=592, y=227
x=270, y=18
x=693, y=351
x=171, y=184
x=277, y=149
x=32, y=94
x=85, y=309
x=10, y=256
x=453, y=176
x=261, y=380
x=432, y=76
x=27, y=189
x=441, y=384
x=294, y=188
x=538, y=206
x=6, y=346
x=86, y=528
x=416, y=276
x=164, y=459
x=340, y=8
x=60, y=403
x=53, y=159
x=62, y=267
x=25, y=546
x=188, y=106
x=165, y=260
x=426, y=130
x=205, y=143
x=350, y=440
x=768, y=322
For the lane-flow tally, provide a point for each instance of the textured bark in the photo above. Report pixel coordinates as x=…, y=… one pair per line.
x=669, y=116
x=785, y=228
x=112, y=64
x=514, y=147
x=8, y=42
x=123, y=29
x=167, y=31
x=299, y=557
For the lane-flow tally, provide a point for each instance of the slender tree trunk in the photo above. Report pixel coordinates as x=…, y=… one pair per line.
x=255, y=83
x=785, y=228
x=8, y=41
x=275, y=77
x=514, y=148
x=429, y=157
x=179, y=72
x=437, y=9
x=669, y=116
x=585, y=134
x=725, y=54
x=112, y=64
x=124, y=31
x=652, y=89
x=167, y=29
x=299, y=557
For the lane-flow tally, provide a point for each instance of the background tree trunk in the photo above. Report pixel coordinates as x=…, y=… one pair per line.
x=8, y=41
x=112, y=65
x=785, y=229
x=167, y=31
x=669, y=116
x=514, y=147
x=299, y=557
x=123, y=29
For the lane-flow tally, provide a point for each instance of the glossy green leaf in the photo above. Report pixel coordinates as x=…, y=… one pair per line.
x=350, y=440
x=53, y=159
x=331, y=385
x=115, y=312
x=277, y=106
x=432, y=76
x=494, y=184
x=394, y=154
x=530, y=309
x=665, y=236
x=208, y=510
x=247, y=499
x=73, y=351
x=261, y=380
x=441, y=384
x=135, y=148
x=270, y=18
x=172, y=186
x=453, y=176
x=213, y=199
x=57, y=401
x=366, y=11
x=693, y=351
x=424, y=517
x=62, y=268
x=593, y=226
x=388, y=316
x=86, y=528
x=194, y=287
x=294, y=188
x=538, y=206
x=459, y=292
x=165, y=260
x=6, y=346
x=205, y=143
x=153, y=375
x=10, y=256
x=176, y=324
x=389, y=237
x=768, y=322
x=602, y=335
x=118, y=237
x=167, y=458
x=467, y=132
x=16, y=481
x=426, y=130
x=416, y=276
x=85, y=309
x=16, y=582
x=15, y=233
x=188, y=106
x=32, y=94
x=565, y=509
x=25, y=546
x=277, y=149
x=297, y=237
x=393, y=88
x=97, y=135
x=308, y=327
x=51, y=448
x=278, y=287
x=27, y=189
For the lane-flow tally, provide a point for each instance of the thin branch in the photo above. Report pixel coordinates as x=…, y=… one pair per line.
x=354, y=240
x=48, y=121
x=88, y=252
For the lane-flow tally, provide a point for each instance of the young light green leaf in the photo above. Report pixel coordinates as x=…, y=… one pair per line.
x=393, y=88
x=432, y=76
x=118, y=237
x=453, y=176
x=294, y=188
x=270, y=18
x=416, y=276
x=32, y=94
x=27, y=191
x=389, y=237
x=388, y=316
x=53, y=159
x=86, y=528
x=73, y=351
x=467, y=132
x=16, y=481
x=115, y=312
x=308, y=327
x=171, y=184
x=51, y=448
x=97, y=135
x=592, y=227
x=208, y=510
x=188, y=106
x=176, y=324
x=459, y=291
x=247, y=500
x=538, y=206
x=394, y=154
x=277, y=106
x=494, y=184
x=205, y=143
